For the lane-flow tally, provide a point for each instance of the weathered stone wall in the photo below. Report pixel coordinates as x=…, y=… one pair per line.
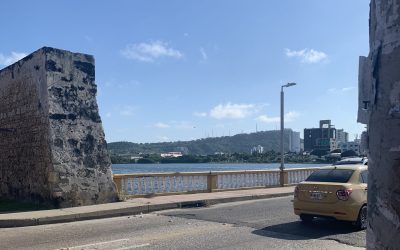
x=24, y=149
x=52, y=146
x=380, y=109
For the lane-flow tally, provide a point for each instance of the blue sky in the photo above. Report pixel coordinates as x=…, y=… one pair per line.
x=182, y=70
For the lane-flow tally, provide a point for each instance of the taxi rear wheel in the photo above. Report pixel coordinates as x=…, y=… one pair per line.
x=361, y=222
x=306, y=218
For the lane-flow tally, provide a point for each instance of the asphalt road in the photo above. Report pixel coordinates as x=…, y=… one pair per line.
x=260, y=224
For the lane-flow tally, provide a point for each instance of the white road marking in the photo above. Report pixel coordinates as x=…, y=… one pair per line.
x=134, y=246
x=94, y=244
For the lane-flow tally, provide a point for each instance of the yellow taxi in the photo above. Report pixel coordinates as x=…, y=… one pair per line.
x=338, y=192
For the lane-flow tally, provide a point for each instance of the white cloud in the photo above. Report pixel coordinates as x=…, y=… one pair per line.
x=233, y=111
x=347, y=89
x=307, y=55
x=289, y=117
x=337, y=91
x=161, y=125
x=332, y=90
x=12, y=58
x=204, y=55
x=174, y=125
x=200, y=114
x=267, y=119
x=149, y=52
x=88, y=39
x=127, y=111
x=183, y=125
x=113, y=83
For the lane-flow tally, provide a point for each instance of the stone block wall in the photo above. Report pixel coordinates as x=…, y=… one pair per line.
x=52, y=146
x=379, y=108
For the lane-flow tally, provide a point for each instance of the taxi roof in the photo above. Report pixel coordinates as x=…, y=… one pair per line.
x=349, y=166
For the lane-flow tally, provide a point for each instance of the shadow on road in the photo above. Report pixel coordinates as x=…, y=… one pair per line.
x=296, y=230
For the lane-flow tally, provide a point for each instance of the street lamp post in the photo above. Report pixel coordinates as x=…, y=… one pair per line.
x=282, y=167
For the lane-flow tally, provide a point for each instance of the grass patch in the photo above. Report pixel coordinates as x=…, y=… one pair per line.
x=11, y=206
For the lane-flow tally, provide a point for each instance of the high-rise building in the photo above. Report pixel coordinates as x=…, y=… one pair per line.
x=294, y=142
x=322, y=138
x=341, y=136
x=364, y=143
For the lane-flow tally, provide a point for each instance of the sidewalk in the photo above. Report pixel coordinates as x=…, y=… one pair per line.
x=137, y=206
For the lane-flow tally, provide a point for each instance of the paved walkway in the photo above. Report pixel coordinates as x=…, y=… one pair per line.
x=137, y=206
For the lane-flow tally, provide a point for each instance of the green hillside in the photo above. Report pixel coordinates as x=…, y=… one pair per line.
x=240, y=143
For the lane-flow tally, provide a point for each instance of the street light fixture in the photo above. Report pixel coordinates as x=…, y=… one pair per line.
x=282, y=167
x=289, y=84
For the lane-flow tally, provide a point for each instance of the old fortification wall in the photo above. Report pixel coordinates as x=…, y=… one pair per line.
x=52, y=146
x=379, y=107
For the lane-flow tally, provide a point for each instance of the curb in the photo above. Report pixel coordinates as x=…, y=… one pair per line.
x=134, y=210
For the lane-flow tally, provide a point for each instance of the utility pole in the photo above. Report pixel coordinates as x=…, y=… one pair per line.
x=282, y=167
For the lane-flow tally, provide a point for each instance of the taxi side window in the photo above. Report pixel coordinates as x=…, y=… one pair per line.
x=364, y=176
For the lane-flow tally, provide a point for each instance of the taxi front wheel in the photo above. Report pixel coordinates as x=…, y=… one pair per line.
x=306, y=218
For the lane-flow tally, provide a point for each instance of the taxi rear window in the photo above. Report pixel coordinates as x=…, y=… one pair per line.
x=331, y=175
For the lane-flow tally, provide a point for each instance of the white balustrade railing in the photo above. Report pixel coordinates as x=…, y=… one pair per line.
x=194, y=182
x=297, y=175
x=247, y=179
x=159, y=183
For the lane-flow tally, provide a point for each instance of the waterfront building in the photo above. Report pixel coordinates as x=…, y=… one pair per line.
x=341, y=136
x=351, y=145
x=364, y=143
x=171, y=154
x=294, y=142
x=258, y=149
x=301, y=145
x=322, y=138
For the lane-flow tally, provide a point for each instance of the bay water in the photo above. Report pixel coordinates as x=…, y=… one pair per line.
x=202, y=167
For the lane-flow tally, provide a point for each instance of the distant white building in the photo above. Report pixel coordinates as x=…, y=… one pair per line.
x=341, y=136
x=351, y=145
x=258, y=149
x=136, y=158
x=294, y=142
x=301, y=145
x=171, y=154
x=364, y=143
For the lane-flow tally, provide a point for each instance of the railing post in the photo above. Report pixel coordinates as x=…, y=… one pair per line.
x=211, y=182
x=118, y=184
x=283, y=178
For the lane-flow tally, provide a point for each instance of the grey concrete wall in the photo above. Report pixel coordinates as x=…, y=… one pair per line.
x=52, y=146
x=380, y=86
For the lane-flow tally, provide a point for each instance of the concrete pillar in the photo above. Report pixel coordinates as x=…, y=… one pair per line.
x=380, y=109
x=211, y=182
x=283, y=178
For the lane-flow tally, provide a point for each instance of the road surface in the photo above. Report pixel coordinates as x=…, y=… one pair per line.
x=260, y=224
